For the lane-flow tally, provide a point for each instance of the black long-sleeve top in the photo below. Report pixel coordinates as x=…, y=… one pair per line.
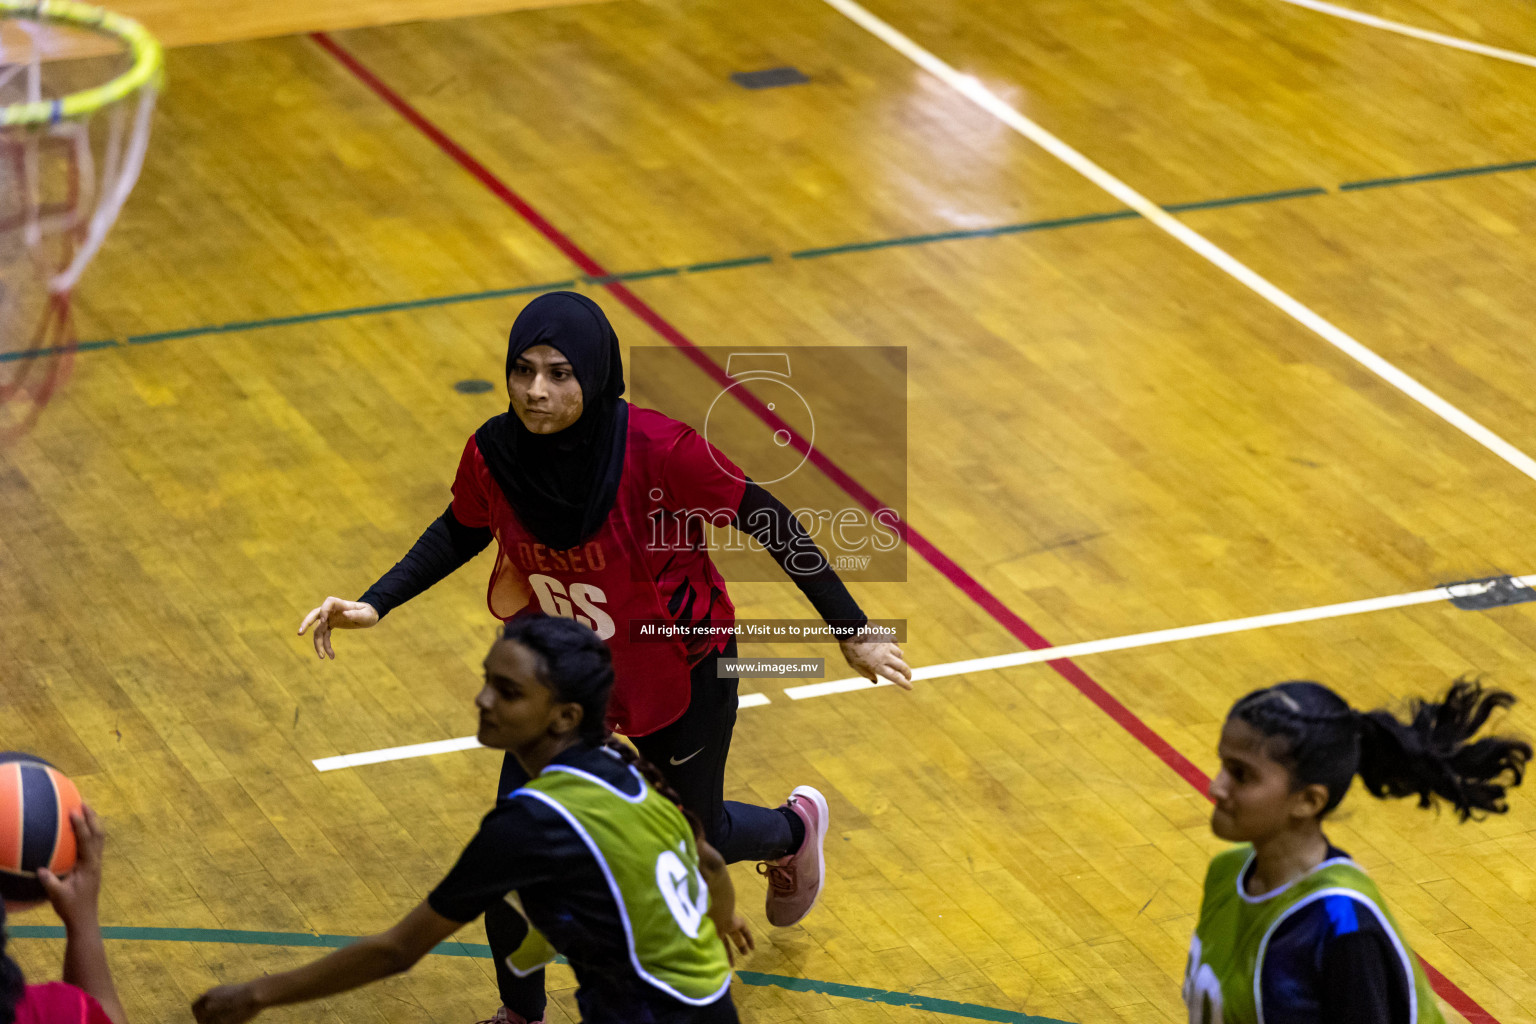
x=1333, y=962
x=447, y=544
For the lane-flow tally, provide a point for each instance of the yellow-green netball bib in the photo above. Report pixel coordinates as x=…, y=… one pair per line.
x=1226, y=955
x=645, y=850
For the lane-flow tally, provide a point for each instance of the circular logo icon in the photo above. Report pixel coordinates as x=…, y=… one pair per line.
x=770, y=447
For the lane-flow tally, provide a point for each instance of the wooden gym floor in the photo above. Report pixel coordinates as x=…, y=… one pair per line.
x=1107, y=435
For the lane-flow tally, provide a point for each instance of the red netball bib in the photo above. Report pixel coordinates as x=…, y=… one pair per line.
x=648, y=563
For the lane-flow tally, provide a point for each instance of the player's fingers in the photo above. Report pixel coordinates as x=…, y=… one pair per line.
x=329, y=650
x=87, y=832
x=893, y=667
x=311, y=619
x=84, y=852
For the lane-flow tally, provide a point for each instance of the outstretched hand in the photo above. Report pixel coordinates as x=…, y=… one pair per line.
x=877, y=660
x=227, y=1004
x=335, y=613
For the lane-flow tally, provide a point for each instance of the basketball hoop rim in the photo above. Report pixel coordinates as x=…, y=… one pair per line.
x=148, y=61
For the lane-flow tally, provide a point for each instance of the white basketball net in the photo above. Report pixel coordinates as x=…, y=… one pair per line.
x=64, y=177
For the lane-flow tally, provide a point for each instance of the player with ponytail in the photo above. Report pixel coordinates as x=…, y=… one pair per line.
x=1291, y=930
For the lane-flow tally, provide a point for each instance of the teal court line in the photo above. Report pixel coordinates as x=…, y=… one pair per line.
x=338, y=314
x=1464, y=172
x=749, y=261
x=932, y=1004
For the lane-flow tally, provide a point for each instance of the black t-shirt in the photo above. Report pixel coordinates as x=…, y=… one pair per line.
x=524, y=845
x=1333, y=962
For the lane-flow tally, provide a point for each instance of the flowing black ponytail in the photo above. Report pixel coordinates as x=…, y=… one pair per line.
x=1432, y=755
x=12, y=984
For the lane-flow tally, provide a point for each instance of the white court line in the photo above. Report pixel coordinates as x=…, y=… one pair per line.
x=330, y=764
x=972, y=89
x=955, y=668
x=1513, y=56
x=1160, y=636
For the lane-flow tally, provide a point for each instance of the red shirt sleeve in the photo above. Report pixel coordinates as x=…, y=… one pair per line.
x=471, y=504
x=698, y=476
x=59, y=1003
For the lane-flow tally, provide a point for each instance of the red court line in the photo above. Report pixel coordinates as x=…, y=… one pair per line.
x=1021, y=630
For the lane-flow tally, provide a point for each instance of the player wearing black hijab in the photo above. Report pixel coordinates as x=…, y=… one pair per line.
x=562, y=483
x=568, y=482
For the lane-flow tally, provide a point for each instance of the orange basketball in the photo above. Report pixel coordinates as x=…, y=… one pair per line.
x=35, y=802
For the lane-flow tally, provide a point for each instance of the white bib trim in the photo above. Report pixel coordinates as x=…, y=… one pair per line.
x=1313, y=897
x=1261, y=897
x=613, y=885
x=639, y=798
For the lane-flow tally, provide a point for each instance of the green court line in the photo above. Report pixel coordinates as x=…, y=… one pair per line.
x=950, y=236
x=1259, y=197
x=870, y=995
x=633, y=275
x=748, y=261
x=43, y=353
x=1460, y=172
x=336, y=314
x=932, y=1004
x=1048, y=225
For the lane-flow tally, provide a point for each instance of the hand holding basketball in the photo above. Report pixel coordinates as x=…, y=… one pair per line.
x=227, y=1004
x=876, y=660
x=75, y=896
x=336, y=613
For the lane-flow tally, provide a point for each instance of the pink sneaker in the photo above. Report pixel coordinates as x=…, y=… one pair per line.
x=794, y=882
x=506, y=1016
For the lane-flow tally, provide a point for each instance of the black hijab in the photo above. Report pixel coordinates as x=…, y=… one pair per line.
x=563, y=485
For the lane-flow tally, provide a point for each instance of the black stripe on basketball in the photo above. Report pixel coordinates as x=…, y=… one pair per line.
x=7, y=756
x=41, y=825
